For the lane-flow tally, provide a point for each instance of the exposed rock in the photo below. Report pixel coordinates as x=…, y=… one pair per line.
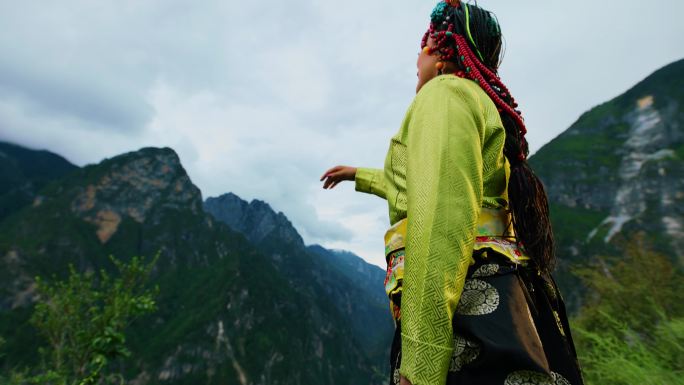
x=617, y=172
x=136, y=185
x=215, y=284
x=255, y=220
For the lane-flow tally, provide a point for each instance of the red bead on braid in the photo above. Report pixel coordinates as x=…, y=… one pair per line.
x=494, y=78
x=473, y=67
x=442, y=46
x=474, y=70
x=489, y=73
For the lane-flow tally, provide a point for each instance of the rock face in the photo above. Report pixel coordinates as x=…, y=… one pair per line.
x=618, y=172
x=230, y=310
x=357, y=270
x=243, y=300
x=155, y=175
x=341, y=276
x=255, y=220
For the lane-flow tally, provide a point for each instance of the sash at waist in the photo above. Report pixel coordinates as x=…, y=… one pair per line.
x=494, y=229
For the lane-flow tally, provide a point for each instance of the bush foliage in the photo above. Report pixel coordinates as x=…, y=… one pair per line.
x=631, y=328
x=83, y=319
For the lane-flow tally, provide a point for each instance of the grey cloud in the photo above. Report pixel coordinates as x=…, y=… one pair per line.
x=98, y=104
x=260, y=98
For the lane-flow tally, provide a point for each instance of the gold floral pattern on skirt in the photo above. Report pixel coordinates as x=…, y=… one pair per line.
x=495, y=336
x=465, y=352
x=396, y=379
x=528, y=377
x=486, y=270
x=478, y=298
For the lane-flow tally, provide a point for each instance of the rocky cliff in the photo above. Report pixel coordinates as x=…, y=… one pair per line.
x=340, y=276
x=229, y=311
x=619, y=172
x=256, y=220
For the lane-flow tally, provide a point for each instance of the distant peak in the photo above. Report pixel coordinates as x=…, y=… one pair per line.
x=34, y=158
x=229, y=196
x=160, y=154
x=256, y=220
x=261, y=205
x=135, y=185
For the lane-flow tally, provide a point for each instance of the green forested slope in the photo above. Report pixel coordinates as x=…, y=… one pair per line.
x=618, y=172
x=228, y=312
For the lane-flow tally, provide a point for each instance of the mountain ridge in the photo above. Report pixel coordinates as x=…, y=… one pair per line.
x=216, y=284
x=23, y=172
x=241, y=291
x=618, y=172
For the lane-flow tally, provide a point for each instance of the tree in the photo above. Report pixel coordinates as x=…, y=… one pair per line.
x=84, y=319
x=631, y=330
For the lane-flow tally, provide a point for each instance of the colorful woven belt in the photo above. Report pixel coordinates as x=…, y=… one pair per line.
x=494, y=231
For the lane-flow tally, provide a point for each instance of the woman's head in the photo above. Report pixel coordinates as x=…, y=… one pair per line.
x=479, y=27
x=466, y=39
x=427, y=65
x=439, y=49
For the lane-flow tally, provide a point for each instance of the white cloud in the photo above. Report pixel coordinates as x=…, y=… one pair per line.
x=260, y=98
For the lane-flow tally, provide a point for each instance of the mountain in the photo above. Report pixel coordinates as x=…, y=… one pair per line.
x=244, y=301
x=23, y=172
x=230, y=312
x=341, y=276
x=619, y=172
x=255, y=220
x=360, y=272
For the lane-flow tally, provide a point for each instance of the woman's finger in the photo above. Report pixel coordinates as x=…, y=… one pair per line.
x=335, y=175
x=330, y=170
x=330, y=180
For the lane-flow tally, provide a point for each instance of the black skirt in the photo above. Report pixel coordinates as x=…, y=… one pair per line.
x=510, y=328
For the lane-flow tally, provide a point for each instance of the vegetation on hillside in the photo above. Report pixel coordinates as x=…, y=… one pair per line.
x=83, y=319
x=631, y=328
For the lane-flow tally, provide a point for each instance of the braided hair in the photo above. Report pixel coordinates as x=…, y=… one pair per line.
x=470, y=37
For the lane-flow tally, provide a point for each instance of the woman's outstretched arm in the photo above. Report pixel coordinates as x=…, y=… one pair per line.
x=367, y=180
x=444, y=188
x=371, y=181
x=333, y=176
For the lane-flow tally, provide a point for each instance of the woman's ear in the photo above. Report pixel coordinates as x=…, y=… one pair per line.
x=450, y=67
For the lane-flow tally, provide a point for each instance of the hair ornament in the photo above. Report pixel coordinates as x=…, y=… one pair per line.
x=439, y=13
x=475, y=32
x=470, y=36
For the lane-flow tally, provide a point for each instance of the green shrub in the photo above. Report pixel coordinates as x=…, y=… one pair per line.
x=83, y=319
x=631, y=329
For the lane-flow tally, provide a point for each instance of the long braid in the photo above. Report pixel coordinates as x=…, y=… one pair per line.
x=473, y=67
x=527, y=196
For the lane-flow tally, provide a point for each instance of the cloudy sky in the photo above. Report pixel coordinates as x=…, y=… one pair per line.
x=260, y=98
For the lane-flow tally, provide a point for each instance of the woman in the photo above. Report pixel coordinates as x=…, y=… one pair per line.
x=473, y=300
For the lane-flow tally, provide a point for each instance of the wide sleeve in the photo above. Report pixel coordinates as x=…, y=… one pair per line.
x=444, y=188
x=371, y=181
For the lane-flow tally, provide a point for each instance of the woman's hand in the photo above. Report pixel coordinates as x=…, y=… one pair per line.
x=404, y=381
x=337, y=174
